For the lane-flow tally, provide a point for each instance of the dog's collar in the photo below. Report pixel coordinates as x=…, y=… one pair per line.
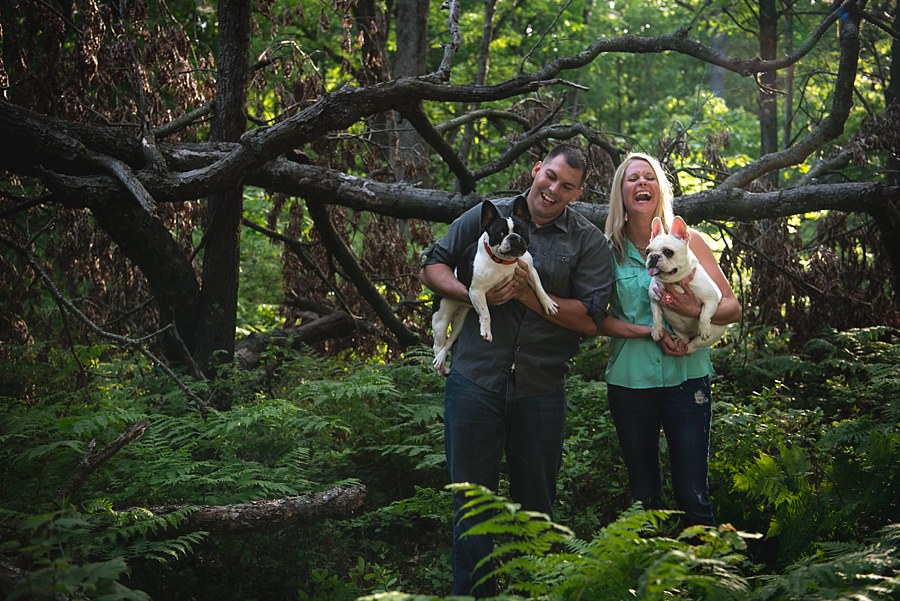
x=494, y=257
x=687, y=279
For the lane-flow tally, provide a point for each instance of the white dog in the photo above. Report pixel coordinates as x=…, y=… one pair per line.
x=671, y=261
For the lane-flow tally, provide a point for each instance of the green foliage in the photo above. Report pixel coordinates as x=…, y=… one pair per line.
x=83, y=553
x=805, y=449
x=817, y=450
x=625, y=558
x=864, y=570
x=592, y=484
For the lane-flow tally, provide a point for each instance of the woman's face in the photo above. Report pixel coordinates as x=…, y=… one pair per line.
x=640, y=189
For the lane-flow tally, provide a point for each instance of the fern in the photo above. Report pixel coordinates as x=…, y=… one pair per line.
x=419, y=429
x=624, y=560
x=95, y=580
x=82, y=555
x=841, y=572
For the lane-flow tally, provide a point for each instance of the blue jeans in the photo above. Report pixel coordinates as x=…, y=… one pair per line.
x=685, y=414
x=481, y=426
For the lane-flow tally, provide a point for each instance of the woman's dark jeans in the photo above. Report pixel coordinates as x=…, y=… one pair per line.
x=481, y=426
x=685, y=414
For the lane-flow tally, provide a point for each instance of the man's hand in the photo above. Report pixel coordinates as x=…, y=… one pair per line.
x=514, y=287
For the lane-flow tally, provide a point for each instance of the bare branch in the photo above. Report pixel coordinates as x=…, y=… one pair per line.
x=125, y=342
x=419, y=120
x=480, y=114
x=299, y=249
x=184, y=121
x=443, y=72
x=91, y=460
x=830, y=128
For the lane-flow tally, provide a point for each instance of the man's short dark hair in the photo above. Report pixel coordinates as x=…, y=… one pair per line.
x=574, y=157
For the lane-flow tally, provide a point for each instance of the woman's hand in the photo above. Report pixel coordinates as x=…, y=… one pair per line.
x=682, y=300
x=678, y=296
x=672, y=346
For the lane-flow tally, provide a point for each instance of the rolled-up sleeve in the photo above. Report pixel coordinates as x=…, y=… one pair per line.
x=451, y=247
x=593, y=279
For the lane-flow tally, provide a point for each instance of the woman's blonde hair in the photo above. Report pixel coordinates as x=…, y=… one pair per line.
x=615, y=220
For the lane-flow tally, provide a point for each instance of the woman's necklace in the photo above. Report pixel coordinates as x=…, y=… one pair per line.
x=641, y=246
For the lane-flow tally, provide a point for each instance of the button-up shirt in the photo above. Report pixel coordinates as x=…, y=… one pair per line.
x=572, y=258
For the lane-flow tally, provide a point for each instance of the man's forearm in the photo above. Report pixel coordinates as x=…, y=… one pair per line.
x=572, y=313
x=441, y=280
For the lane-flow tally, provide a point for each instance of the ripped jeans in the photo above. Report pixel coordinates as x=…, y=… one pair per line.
x=685, y=414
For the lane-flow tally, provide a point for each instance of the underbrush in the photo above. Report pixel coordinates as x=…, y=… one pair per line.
x=803, y=471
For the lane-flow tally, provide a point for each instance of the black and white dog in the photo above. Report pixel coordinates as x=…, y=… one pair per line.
x=486, y=263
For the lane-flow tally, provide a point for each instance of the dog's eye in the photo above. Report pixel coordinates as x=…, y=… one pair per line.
x=668, y=252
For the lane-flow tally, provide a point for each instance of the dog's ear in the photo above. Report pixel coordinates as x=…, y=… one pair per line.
x=489, y=214
x=656, y=228
x=680, y=229
x=520, y=208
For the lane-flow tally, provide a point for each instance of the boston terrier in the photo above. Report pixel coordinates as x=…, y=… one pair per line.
x=486, y=263
x=671, y=261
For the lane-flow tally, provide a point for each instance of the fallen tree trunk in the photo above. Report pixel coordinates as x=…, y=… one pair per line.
x=335, y=325
x=258, y=515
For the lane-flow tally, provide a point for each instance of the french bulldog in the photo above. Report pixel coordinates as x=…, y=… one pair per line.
x=671, y=261
x=487, y=262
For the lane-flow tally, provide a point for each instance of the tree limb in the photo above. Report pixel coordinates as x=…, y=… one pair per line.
x=355, y=273
x=419, y=120
x=333, y=325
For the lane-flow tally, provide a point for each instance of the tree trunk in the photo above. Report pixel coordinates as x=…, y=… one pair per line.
x=889, y=220
x=411, y=158
x=768, y=101
x=788, y=81
x=221, y=257
x=484, y=56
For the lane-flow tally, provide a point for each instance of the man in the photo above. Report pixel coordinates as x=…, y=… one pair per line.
x=508, y=396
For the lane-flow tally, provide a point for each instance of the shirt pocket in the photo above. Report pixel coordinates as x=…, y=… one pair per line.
x=555, y=269
x=632, y=290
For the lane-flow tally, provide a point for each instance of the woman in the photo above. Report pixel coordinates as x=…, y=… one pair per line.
x=653, y=384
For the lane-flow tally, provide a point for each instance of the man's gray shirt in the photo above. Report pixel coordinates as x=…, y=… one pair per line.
x=572, y=257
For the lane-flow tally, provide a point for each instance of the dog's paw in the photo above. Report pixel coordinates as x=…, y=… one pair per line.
x=486, y=334
x=656, y=333
x=705, y=331
x=551, y=307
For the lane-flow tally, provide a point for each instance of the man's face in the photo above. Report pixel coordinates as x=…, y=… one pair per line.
x=555, y=185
